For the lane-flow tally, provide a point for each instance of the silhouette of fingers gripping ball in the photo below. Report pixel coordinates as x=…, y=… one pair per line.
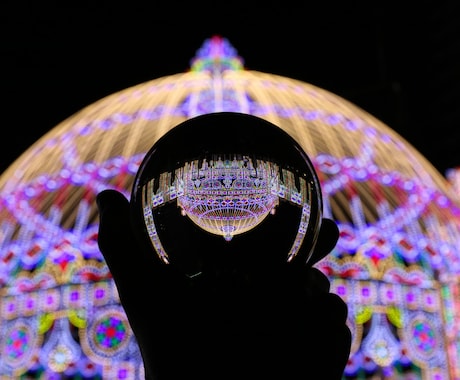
x=213, y=256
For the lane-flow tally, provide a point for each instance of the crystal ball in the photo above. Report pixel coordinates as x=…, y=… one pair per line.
x=227, y=187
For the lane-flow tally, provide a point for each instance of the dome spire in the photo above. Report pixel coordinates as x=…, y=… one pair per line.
x=216, y=55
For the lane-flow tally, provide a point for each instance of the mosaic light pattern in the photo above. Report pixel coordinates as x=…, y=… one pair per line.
x=110, y=332
x=17, y=343
x=396, y=263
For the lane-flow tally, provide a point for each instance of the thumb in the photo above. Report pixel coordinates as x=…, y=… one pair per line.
x=115, y=237
x=327, y=239
x=127, y=262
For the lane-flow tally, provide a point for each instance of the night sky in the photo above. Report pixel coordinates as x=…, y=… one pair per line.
x=399, y=63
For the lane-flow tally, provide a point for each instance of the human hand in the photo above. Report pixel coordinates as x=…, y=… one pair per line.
x=285, y=324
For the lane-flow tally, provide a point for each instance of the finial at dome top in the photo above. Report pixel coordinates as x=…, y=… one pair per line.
x=216, y=55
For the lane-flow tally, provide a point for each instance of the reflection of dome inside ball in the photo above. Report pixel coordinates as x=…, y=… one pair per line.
x=227, y=184
x=228, y=197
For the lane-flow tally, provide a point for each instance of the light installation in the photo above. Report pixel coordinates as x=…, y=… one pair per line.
x=396, y=264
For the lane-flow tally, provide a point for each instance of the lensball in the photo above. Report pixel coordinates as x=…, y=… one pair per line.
x=228, y=189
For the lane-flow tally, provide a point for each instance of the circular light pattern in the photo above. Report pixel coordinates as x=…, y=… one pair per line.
x=17, y=343
x=18, y=349
x=425, y=336
x=110, y=332
x=426, y=339
x=60, y=358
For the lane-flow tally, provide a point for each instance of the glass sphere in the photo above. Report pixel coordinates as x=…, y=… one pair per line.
x=227, y=185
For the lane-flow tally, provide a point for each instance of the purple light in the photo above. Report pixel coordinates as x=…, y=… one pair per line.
x=351, y=125
x=74, y=296
x=100, y=293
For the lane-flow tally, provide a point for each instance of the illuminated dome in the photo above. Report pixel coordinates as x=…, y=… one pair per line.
x=396, y=264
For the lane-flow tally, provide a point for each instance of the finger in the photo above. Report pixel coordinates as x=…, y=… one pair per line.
x=329, y=308
x=331, y=311
x=115, y=235
x=317, y=281
x=128, y=263
x=327, y=239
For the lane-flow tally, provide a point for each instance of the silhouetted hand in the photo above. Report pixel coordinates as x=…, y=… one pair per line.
x=280, y=324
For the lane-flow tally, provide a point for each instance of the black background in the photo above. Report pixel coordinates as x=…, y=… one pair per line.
x=398, y=60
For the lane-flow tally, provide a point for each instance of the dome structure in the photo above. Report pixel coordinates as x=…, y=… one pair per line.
x=396, y=264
